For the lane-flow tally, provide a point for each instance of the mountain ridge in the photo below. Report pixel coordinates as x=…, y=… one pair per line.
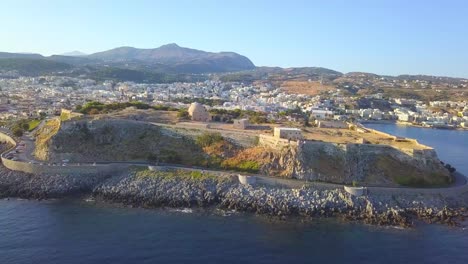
x=173, y=59
x=179, y=59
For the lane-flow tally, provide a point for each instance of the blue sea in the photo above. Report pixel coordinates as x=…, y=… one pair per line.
x=73, y=231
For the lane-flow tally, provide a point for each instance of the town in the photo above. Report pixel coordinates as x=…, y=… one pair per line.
x=46, y=96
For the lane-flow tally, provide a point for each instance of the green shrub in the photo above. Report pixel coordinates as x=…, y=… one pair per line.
x=17, y=132
x=207, y=139
x=170, y=156
x=244, y=166
x=177, y=174
x=183, y=114
x=249, y=166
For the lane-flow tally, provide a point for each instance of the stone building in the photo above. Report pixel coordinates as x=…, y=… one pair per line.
x=241, y=123
x=331, y=124
x=287, y=133
x=198, y=113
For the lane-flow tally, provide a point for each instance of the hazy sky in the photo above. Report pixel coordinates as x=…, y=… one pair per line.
x=389, y=37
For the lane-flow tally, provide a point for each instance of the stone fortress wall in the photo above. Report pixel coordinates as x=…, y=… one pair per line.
x=421, y=151
x=28, y=167
x=278, y=143
x=274, y=142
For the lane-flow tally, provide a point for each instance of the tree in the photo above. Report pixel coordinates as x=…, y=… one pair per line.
x=17, y=132
x=25, y=126
x=306, y=119
x=207, y=139
x=183, y=114
x=94, y=111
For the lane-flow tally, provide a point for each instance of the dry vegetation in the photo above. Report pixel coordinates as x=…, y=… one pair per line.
x=344, y=136
x=148, y=115
x=43, y=136
x=305, y=87
x=406, y=175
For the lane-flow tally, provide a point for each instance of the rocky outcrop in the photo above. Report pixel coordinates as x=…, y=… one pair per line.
x=24, y=185
x=43, y=137
x=363, y=163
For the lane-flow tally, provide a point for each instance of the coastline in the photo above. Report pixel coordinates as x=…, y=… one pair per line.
x=228, y=194
x=402, y=123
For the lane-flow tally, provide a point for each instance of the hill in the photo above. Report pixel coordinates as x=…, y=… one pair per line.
x=73, y=60
x=31, y=66
x=178, y=59
x=278, y=75
x=8, y=55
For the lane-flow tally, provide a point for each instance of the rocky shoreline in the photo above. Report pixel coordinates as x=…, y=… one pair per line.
x=227, y=193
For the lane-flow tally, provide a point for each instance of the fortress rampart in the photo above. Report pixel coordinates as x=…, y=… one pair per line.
x=28, y=167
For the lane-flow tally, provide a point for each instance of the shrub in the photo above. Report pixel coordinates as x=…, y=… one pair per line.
x=207, y=139
x=244, y=166
x=25, y=126
x=17, y=132
x=249, y=166
x=183, y=114
x=170, y=156
x=152, y=157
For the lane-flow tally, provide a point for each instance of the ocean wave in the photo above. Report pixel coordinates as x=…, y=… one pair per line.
x=182, y=210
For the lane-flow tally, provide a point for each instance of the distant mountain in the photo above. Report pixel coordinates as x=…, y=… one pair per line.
x=74, y=53
x=178, y=59
x=32, y=66
x=73, y=60
x=171, y=62
x=7, y=55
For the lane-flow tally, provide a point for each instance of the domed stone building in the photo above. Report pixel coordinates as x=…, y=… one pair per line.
x=198, y=113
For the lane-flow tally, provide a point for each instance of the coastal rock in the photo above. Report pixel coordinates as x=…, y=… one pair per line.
x=227, y=193
x=275, y=201
x=41, y=186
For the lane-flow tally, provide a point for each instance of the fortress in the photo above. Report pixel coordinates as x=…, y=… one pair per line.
x=287, y=152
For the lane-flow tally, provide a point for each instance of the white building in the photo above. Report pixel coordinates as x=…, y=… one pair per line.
x=321, y=114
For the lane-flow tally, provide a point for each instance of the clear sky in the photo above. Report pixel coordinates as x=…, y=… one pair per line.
x=385, y=37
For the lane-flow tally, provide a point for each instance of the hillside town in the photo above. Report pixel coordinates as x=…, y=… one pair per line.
x=45, y=96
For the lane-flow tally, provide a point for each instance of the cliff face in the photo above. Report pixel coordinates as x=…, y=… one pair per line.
x=362, y=163
x=43, y=137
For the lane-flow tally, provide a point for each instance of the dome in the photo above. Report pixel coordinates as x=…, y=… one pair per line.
x=198, y=112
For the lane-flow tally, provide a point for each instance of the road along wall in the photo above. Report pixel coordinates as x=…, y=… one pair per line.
x=4, y=138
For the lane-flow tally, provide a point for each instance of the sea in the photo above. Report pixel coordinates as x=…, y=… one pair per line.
x=83, y=231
